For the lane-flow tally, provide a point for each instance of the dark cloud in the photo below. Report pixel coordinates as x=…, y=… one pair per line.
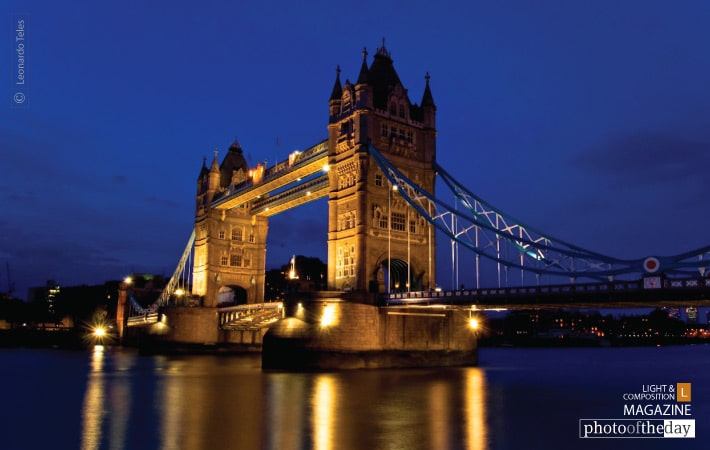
x=647, y=159
x=164, y=202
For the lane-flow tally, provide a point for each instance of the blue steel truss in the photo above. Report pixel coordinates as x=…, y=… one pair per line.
x=490, y=233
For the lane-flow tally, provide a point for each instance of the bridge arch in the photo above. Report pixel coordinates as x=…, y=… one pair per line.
x=231, y=295
x=395, y=275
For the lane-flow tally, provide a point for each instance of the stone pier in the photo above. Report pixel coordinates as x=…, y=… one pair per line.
x=337, y=331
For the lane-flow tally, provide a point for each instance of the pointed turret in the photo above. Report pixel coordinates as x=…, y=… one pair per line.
x=364, y=71
x=428, y=108
x=337, y=87
x=335, y=96
x=427, y=98
x=203, y=171
x=214, y=174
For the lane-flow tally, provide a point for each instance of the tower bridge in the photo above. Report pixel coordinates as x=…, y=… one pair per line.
x=378, y=169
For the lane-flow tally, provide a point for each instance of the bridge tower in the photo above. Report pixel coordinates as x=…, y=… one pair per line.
x=376, y=242
x=230, y=245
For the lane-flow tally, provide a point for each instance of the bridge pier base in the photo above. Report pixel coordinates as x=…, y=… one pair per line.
x=331, y=331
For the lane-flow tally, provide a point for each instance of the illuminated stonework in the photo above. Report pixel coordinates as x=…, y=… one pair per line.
x=371, y=228
x=230, y=244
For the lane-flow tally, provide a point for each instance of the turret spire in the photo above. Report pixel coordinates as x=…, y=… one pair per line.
x=337, y=87
x=427, y=98
x=362, y=78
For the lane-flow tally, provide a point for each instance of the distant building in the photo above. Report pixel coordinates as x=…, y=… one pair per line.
x=692, y=313
x=673, y=312
x=45, y=294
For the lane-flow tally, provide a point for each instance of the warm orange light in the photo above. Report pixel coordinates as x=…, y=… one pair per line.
x=473, y=323
x=328, y=317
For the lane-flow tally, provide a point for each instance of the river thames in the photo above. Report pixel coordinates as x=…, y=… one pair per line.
x=518, y=398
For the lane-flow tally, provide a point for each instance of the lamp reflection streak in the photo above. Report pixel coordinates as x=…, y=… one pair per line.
x=476, y=434
x=93, y=411
x=324, y=404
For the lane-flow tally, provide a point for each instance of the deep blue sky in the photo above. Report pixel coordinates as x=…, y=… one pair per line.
x=588, y=120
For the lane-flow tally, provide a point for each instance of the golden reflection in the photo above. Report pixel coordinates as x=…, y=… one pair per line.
x=324, y=404
x=93, y=410
x=285, y=404
x=172, y=399
x=439, y=410
x=476, y=432
x=106, y=402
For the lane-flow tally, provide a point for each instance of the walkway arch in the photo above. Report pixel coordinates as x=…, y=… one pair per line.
x=394, y=274
x=231, y=295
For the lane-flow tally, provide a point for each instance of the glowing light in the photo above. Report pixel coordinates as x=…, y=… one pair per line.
x=128, y=280
x=326, y=168
x=328, y=317
x=473, y=323
x=99, y=332
x=179, y=292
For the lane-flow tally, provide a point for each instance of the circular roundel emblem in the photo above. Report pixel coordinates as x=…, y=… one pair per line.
x=651, y=264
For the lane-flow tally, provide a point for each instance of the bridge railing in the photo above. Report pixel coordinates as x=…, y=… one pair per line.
x=250, y=316
x=471, y=295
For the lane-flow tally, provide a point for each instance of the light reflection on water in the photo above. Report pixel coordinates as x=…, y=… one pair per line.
x=209, y=402
x=519, y=398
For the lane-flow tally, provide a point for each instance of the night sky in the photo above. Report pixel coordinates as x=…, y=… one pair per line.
x=588, y=120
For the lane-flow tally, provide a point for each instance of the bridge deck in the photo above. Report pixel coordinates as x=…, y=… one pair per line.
x=304, y=165
x=619, y=294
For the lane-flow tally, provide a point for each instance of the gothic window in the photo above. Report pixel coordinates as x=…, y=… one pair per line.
x=393, y=109
x=384, y=130
x=398, y=221
x=223, y=261
x=410, y=136
x=251, y=238
x=236, y=234
x=247, y=261
x=412, y=226
x=235, y=260
x=401, y=110
x=383, y=221
x=221, y=234
x=378, y=179
x=401, y=133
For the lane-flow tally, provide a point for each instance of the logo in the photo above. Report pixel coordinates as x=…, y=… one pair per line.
x=683, y=392
x=653, y=411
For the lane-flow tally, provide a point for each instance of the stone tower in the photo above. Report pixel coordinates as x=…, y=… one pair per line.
x=230, y=245
x=372, y=231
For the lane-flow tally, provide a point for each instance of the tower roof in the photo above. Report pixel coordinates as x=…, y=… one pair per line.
x=234, y=161
x=382, y=77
